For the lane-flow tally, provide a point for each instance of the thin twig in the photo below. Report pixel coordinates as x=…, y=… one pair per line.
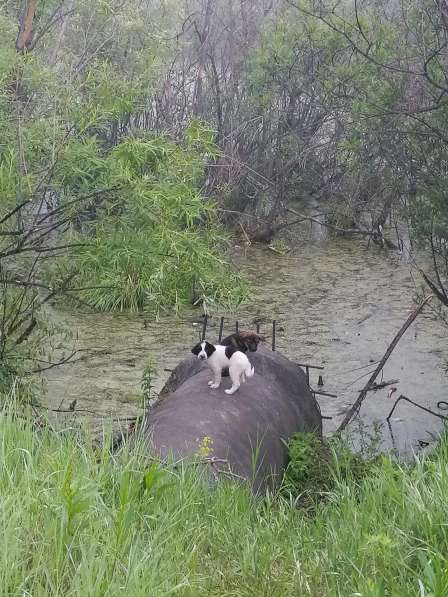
x=428, y=410
x=74, y=411
x=383, y=384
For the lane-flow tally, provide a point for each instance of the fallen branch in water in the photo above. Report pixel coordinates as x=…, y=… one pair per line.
x=428, y=410
x=304, y=217
x=363, y=393
x=383, y=384
x=62, y=361
x=73, y=410
x=439, y=291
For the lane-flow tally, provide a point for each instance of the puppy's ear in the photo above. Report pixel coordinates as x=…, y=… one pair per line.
x=196, y=349
x=209, y=349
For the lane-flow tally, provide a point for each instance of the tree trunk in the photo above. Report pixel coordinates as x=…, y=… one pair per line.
x=25, y=37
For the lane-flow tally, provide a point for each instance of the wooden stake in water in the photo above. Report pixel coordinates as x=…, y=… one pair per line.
x=236, y=327
x=221, y=326
x=204, y=327
x=258, y=328
x=274, y=323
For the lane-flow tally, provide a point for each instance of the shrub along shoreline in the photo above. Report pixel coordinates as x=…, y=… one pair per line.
x=75, y=521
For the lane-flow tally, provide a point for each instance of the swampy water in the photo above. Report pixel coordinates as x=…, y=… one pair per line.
x=337, y=304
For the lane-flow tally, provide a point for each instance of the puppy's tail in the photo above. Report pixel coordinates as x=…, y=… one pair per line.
x=249, y=371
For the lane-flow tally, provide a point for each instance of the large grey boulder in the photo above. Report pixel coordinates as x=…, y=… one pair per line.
x=248, y=430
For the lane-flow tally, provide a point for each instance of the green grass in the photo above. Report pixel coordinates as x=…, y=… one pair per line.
x=78, y=522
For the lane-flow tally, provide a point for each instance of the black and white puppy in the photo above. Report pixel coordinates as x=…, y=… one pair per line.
x=221, y=357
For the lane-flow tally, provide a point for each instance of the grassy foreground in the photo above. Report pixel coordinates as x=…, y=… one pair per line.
x=76, y=522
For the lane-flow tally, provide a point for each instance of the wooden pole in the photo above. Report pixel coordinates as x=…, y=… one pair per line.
x=310, y=366
x=221, y=326
x=325, y=394
x=363, y=393
x=273, y=335
x=24, y=39
x=204, y=327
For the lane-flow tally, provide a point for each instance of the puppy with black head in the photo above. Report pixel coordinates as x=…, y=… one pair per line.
x=220, y=357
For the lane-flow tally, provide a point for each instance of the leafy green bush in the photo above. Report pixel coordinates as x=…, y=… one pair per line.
x=308, y=467
x=316, y=466
x=154, y=243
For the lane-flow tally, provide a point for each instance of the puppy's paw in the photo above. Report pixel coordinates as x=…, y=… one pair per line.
x=214, y=385
x=230, y=391
x=210, y=383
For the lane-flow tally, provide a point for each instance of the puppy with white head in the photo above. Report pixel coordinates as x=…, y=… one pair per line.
x=222, y=357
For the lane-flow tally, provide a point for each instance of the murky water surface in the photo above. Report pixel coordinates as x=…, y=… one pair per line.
x=337, y=304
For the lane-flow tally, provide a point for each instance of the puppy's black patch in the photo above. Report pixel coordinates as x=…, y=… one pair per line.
x=234, y=341
x=196, y=349
x=209, y=349
x=230, y=350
